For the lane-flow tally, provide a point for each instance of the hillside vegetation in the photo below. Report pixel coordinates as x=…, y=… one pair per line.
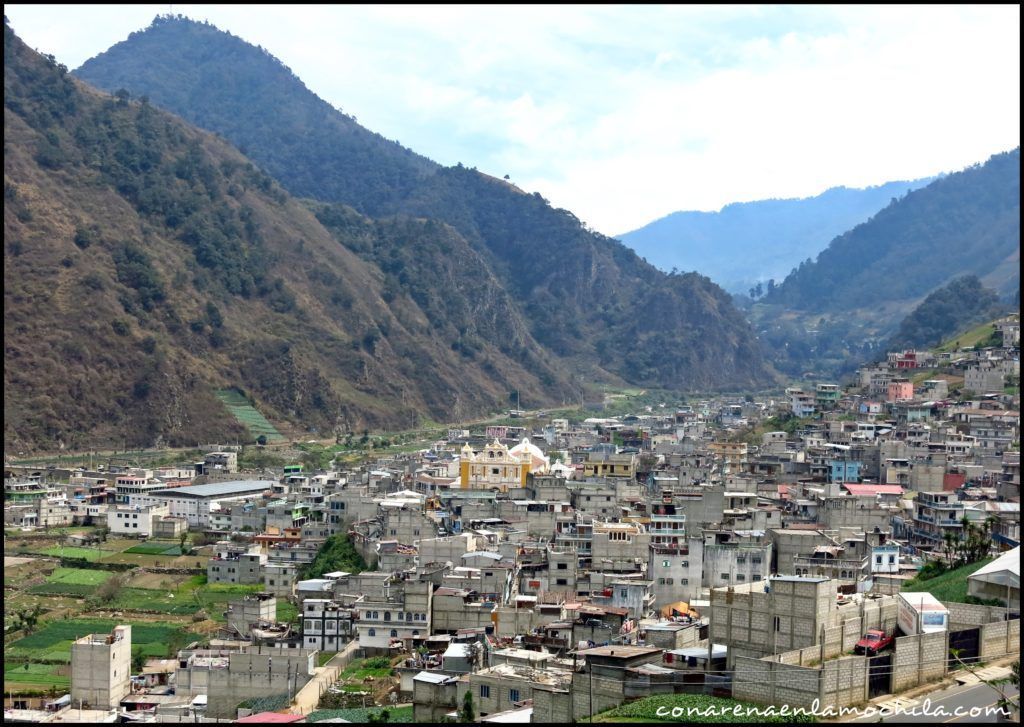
x=952, y=308
x=148, y=265
x=593, y=305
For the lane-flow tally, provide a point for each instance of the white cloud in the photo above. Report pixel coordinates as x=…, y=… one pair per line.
x=624, y=114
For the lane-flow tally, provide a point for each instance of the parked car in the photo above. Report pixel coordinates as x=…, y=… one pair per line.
x=874, y=640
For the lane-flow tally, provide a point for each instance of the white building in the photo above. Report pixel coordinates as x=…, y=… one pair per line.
x=195, y=502
x=135, y=520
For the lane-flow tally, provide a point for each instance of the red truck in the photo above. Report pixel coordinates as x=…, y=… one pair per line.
x=874, y=640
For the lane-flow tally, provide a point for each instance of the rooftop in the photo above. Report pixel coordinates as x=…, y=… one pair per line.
x=218, y=489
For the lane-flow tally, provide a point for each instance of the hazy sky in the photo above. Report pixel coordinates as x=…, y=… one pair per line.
x=624, y=114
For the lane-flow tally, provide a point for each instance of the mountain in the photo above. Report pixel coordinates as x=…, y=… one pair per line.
x=586, y=298
x=830, y=314
x=967, y=222
x=749, y=242
x=148, y=264
x=962, y=303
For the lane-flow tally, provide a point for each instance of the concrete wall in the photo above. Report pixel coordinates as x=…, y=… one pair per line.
x=844, y=681
x=919, y=659
x=551, y=704
x=258, y=673
x=768, y=682
x=999, y=638
x=593, y=693
x=966, y=615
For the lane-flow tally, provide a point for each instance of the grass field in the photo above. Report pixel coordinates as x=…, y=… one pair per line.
x=247, y=415
x=968, y=339
x=154, y=548
x=79, y=576
x=41, y=676
x=950, y=586
x=89, y=554
x=52, y=642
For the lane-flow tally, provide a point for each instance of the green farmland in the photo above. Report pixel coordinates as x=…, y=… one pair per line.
x=247, y=415
x=52, y=643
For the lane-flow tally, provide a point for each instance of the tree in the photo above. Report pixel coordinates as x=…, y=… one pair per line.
x=380, y=718
x=182, y=539
x=110, y=589
x=467, y=713
x=138, y=658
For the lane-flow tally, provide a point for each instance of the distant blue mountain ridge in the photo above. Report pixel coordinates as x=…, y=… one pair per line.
x=750, y=242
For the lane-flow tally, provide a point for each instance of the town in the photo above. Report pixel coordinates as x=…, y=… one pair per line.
x=840, y=544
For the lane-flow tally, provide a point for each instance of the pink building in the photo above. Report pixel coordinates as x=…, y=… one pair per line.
x=900, y=389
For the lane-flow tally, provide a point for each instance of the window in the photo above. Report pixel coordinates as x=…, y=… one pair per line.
x=309, y=625
x=725, y=576
x=485, y=691
x=387, y=615
x=372, y=632
x=756, y=576
x=892, y=559
x=756, y=560
x=661, y=581
x=878, y=559
x=685, y=564
x=394, y=633
x=668, y=581
x=740, y=577
x=564, y=566
x=561, y=582
x=513, y=695
x=664, y=564
x=494, y=470
x=685, y=581
x=623, y=593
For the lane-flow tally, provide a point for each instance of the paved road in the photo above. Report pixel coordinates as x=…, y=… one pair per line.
x=963, y=696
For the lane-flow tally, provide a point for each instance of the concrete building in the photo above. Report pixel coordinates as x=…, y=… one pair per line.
x=326, y=625
x=758, y=619
x=243, y=613
x=101, y=668
x=136, y=520
x=233, y=564
x=403, y=614
x=195, y=502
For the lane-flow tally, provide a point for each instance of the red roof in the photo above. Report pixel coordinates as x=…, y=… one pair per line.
x=870, y=490
x=275, y=717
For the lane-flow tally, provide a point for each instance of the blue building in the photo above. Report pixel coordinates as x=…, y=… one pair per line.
x=844, y=470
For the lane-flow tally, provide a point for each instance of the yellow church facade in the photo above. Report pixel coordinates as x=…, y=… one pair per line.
x=496, y=466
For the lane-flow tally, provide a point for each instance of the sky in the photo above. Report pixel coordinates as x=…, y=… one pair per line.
x=624, y=114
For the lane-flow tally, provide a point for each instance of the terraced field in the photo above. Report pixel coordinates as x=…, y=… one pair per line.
x=247, y=415
x=37, y=676
x=52, y=642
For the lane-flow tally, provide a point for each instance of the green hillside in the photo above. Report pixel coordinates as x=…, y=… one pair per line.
x=246, y=415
